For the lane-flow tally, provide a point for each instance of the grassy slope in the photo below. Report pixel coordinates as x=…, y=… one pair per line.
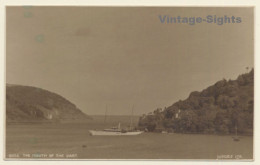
x=24, y=103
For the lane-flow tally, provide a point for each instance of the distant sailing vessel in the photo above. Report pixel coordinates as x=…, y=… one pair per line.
x=115, y=131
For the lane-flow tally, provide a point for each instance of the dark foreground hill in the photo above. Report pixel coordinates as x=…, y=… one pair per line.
x=221, y=108
x=24, y=103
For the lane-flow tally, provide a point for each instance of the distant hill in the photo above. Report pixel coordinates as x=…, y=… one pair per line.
x=25, y=103
x=220, y=108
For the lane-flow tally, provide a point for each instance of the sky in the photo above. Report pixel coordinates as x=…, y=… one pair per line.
x=123, y=57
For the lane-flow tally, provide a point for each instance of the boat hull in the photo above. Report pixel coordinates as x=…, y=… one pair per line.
x=107, y=133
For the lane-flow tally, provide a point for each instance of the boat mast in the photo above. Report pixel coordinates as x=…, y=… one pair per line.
x=105, y=115
x=131, y=121
x=236, y=129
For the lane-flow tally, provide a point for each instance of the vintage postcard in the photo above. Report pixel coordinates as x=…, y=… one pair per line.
x=129, y=83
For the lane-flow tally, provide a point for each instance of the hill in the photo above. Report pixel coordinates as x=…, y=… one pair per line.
x=25, y=103
x=220, y=108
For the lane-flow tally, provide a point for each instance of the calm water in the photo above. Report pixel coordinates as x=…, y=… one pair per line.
x=72, y=140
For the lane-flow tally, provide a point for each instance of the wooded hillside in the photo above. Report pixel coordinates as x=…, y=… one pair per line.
x=219, y=108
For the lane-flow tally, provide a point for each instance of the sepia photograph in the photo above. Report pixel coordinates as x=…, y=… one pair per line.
x=129, y=83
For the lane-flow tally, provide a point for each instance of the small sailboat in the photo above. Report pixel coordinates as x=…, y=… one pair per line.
x=116, y=131
x=236, y=138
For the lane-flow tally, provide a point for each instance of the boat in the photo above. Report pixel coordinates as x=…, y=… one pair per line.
x=164, y=132
x=116, y=131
